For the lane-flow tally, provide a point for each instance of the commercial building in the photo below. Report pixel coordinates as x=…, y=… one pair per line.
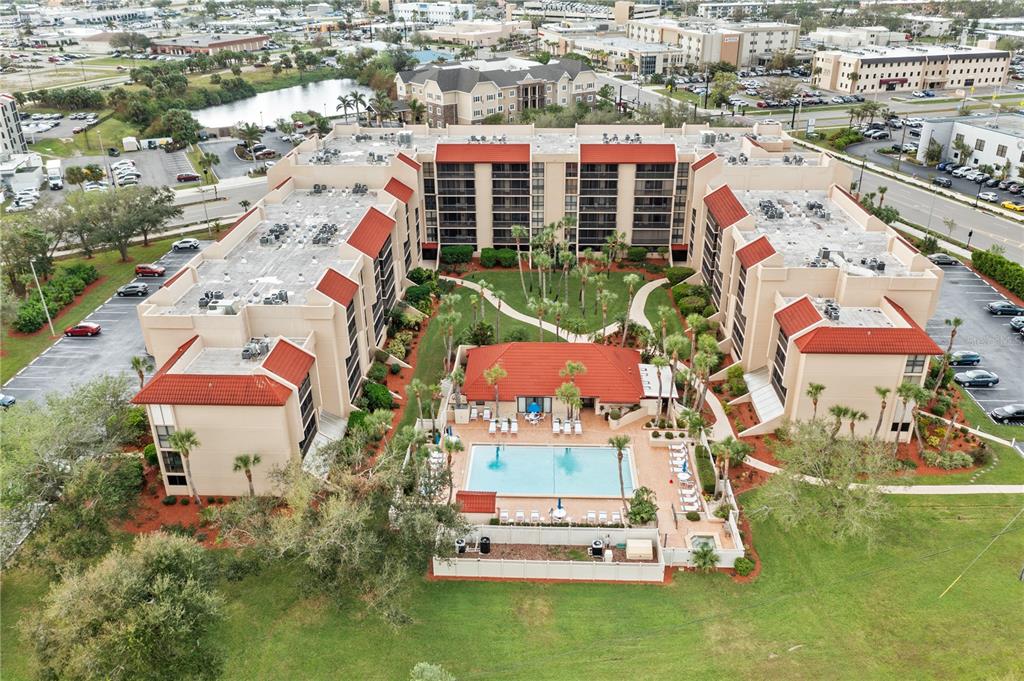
x=728, y=10
x=618, y=14
x=997, y=141
x=468, y=92
x=849, y=37
x=209, y=43
x=434, y=12
x=880, y=69
x=1000, y=24
x=741, y=44
x=12, y=139
x=926, y=25
x=478, y=33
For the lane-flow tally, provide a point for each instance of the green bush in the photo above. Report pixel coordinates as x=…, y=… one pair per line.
x=453, y=255
x=507, y=257
x=670, y=435
x=722, y=512
x=356, y=419
x=642, y=508
x=168, y=501
x=397, y=348
x=378, y=372
x=947, y=461
x=517, y=335
x=676, y=275
x=636, y=254
x=377, y=397
x=708, y=310
x=60, y=292
x=1007, y=272
x=615, y=414
x=734, y=380
x=395, y=369
x=415, y=294
x=184, y=501
x=691, y=304
x=488, y=257
x=743, y=566
x=421, y=275
x=149, y=453
x=692, y=516
x=680, y=291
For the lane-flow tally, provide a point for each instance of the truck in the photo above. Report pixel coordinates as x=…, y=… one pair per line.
x=54, y=175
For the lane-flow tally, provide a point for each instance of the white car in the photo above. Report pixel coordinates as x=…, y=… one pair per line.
x=18, y=207
x=1019, y=87
x=909, y=148
x=34, y=193
x=919, y=94
x=960, y=172
x=186, y=244
x=989, y=196
x=125, y=163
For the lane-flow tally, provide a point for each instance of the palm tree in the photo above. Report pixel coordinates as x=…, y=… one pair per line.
x=343, y=103
x=678, y=346
x=245, y=463
x=631, y=281
x=493, y=376
x=558, y=310
x=416, y=388
x=882, y=189
x=814, y=391
x=659, y=363
x=883, y=393
x=704, y=363
x=569, y=394
x=183, y=442
x=920, y=397
x=539, y=308
x=664, y=314
x=705, y=559
x=606, y=298
x=381, y=105
x=584, y=271
x=249, y=134
x=206, y=161
x=245, y=203
x=906, y=393
x=696, y=426
x=839, y=412
x=141, y=365
x=620, y=442
x=451, y=445
x=417, y=110
x=954, y=324
x=357, y=99
x=855, y=416
x=519, y=233
x=499, y=297
x=572, y=369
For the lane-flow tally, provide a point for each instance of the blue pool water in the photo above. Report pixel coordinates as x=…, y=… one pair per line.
x=427, y=56
x=549, y=470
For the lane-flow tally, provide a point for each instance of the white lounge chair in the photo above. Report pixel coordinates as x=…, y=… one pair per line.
x=691, y=507
x=503, y=517
x=567, y=427
x=556, y=426
x=520, y=516
x=602, y=517
x=515, y=427
x=535, y=517
x=474, y=413
x=578, y=427
x=504, y=426
x=616, y=518
x=487, y=413
x=493, y=427
x=592, y=517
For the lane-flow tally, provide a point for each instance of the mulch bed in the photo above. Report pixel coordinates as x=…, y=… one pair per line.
x=475, y=266
x=63, y=311
x=748, y=544
x=547, y=552
x=151, y=514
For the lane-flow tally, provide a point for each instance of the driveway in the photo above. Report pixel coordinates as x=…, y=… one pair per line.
x=232, y=166
x=75, y=360
x=158, y=168
x=964, y=295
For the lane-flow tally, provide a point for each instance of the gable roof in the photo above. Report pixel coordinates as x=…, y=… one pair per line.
x=459, y=78
x=398, y=189
x=725, y=207
x=415, y=165
x=756, y=251
x=248, y=390
x=613, y=374
x=289, y=361
x=627, y=153
x=697, y=165
x=337, y=287
x=855, y=340
x=371, y=232
x=482, y=153
x=797, y=316
x=476, y=502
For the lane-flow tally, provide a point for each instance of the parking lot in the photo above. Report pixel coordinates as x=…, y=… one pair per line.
x=232, y=166
x=964, y=295
x=75, y=360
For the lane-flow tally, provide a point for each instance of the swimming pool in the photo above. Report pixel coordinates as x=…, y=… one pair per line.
x=549, y=470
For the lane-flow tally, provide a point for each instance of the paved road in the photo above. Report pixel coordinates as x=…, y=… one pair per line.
x=232, y=166
x=221, y=203
x=75, y=360
x=964, y=295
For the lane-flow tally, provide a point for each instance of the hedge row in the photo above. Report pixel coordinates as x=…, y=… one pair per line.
x=1007, y=272
x=676, y=275
x=59, y=292
x=491, y=257
x=453, y=255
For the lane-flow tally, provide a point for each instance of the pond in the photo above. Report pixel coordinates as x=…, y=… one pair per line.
x=267, y=107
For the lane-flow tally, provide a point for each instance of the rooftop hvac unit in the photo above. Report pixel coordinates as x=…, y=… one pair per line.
x=225, y=307
x=708, y=139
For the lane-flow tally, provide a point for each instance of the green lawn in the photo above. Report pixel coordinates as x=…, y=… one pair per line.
x=110, y=133
x=193, y=155
x=658, y=298
x=817, y=611
x=682, y=96
x=265, y=80
x=508, y=281
x=18, y=351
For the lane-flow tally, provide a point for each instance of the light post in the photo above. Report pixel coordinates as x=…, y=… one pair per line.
x=42, y=298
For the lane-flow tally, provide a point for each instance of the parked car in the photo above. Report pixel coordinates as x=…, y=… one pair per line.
x=1015, y=188
x=976, y=377
x=991, y=197
x=1011, y=413
x=961, y=171
x=994, y=182
x=83, y=329
x=149, y=270
x=1010, y=205
x=1005, y=184
x=1017, y=323
x=952, y=167
x=943, y=259
x=1004, y=307
x=188, y=177
x=113, y=152
x=942, y=181
x=962, y=358
x=7, y=401
x=133, y=289
x=186, y=245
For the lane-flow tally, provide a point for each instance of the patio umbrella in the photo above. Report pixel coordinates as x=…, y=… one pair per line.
x=684, y=465
x=533, y=408
x=559, y=502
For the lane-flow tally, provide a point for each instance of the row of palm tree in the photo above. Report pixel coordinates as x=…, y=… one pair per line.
x=381, y=104
x=185, y=441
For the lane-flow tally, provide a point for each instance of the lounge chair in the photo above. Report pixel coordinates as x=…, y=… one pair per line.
x=487, y=413
x=504, y=426
x=616, y=518
x=602, y=517
x=535, y=517
x=592, y=517
x=556, y=426
x=515, y=427
x=567, y=427
x=520, y=516
x=578, y=427
x=503, y=517
x=691, y=507
x=493, y=427
x=474, y=413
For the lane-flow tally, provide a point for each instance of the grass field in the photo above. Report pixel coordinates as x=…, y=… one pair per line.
x=265, y=80
x=18, y=351
x=817, y=611
x=93, y=141
x=508, y=281
x=658, y=298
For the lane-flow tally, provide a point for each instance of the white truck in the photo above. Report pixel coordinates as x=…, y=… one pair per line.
x=54, y=175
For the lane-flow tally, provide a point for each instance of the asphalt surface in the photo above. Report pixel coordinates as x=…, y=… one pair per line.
x=232, y=166
x=71, y=361
x=964, y=295
x=158, y=168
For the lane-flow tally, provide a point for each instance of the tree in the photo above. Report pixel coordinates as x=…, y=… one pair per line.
x=178, y=124
x=569, y=394
x=449, y=317
x=417, y=110
x=23, y=244
x=493, y=376
x=147, y=613
x=659, y=363
x=357, y=99
x=207, y=160
x=954, y=325
x=631, y=281
x=245, y=203
x=781, y=89
x=382, y=106
x=249, y=134
x=704, y=363
x=839, y=412
x=814, y=391
x=906, y=392
x=619, y=443
x=855, y=416
x=933, y=152
x=539, y=308
x=116, y=218
x=846, y=502
x=605, y=299
x=184, y=442
x=141, y=365
x=572, y=369
x=705, y=559
x=130, y=40
x=964, y=151
x=883, y=394
x=519, y=233
x=723, y=85
x=882, y=189
x=451, y=447
x=245, y=464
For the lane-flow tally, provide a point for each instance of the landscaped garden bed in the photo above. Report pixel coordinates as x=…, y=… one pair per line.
x=550, y=552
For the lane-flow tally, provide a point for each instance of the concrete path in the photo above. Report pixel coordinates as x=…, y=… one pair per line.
x=636, y=308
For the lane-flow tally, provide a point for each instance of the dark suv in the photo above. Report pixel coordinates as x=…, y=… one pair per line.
x=942, y=181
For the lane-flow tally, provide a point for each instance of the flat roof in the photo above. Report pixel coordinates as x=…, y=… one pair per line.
x=849, y=315
x=1008, y=123
x=292, y=262
x=229, y=360
x=207, y=39
x=918, y=52
x=798, y=232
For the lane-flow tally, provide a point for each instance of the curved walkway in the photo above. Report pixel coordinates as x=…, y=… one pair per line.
x=636, y=308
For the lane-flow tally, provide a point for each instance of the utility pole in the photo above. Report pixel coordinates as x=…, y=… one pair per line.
x=42, y=297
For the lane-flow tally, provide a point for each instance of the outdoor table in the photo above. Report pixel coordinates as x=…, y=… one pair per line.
x=560, y=513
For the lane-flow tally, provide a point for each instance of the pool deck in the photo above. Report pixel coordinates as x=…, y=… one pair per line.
x=651, y=469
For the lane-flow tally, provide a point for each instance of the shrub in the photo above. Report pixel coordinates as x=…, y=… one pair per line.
x=947, y=461
x=680, y=291
x=421, y=275
x=734, y=380
x=615, y=414
x=480, y=333
x=168, y=501
x=377, y=397
x=677, y=274
x=642, y=508
x=517, y=335
x=507, y=257
x=708, y=310
x=743, y=566
x=942, y=405
x=636, y=254
x=691, y=304
x=981, y=455
x=933, y=441
x=416, y=294
x=1007, y=272
x=453, y=255
x=395, y=369
x=656, y=434
x=692, y=516
x=488, y=257
x=149, y=453
x=397, y=348
x=356, y=420
x=670, y=435
x=723, y=511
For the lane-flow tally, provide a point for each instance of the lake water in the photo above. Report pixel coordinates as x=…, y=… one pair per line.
x=267, y=107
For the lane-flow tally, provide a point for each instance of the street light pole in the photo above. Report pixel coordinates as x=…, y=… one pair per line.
x=42, y=297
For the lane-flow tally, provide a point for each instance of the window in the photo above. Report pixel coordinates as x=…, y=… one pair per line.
x=172, y=462
x=176, y=481
x=163, y=434
x=979, y=145
x=958, y=139
x=1001, y=151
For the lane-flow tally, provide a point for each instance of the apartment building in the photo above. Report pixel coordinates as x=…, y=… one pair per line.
x=995, y=140
x=12, y=139
x=468, y=92
x=209, y=43
x=477, y=33
x=888, y=69
x=727, y=10
x=927, y=25
x=848, y=37
x=741, y=44
x=433, y=12
x=618, y=14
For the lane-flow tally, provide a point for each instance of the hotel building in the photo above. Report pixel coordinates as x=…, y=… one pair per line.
x=699, y=43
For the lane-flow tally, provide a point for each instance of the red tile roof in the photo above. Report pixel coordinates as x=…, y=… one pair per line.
x=281, y=183
x=249, y=390
x=399, y=190
x=627, y=153
x=408, y=161
x=853, y=340
x=797, y=316
x=173, y=359
x=337, y=287
x=612, y=373
x=477, y=502
x=371, y=232
x=756, y=251
x=697, y=165
x=482, y=153
x=725, y=207
x=289, y=361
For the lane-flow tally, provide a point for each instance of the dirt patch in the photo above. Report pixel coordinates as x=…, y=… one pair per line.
x=548, y=552
x=151, y=514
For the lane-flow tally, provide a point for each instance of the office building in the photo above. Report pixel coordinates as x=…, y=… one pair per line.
x=12, y=139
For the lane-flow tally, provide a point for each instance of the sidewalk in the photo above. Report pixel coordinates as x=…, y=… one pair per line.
x=943, y=244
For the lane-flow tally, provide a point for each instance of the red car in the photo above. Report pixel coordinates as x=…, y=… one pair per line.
x=188, y=177
x=147, y=270
x=83, y=329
